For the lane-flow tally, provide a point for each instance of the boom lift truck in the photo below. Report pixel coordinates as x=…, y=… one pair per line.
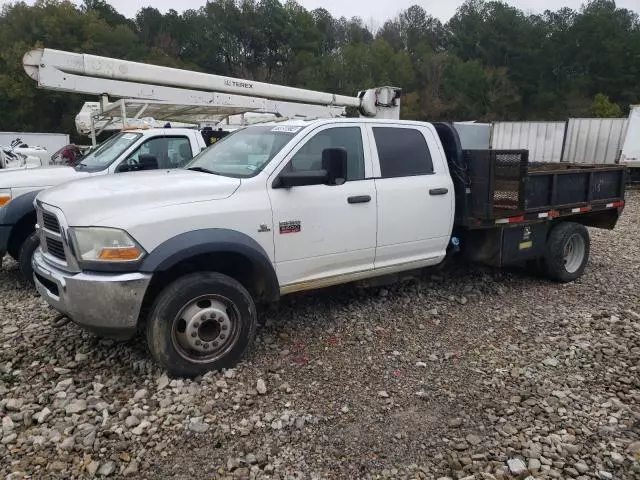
x=281, y=207
x=169, y=94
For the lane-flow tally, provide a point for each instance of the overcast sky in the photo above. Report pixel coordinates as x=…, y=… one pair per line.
x=373, y=12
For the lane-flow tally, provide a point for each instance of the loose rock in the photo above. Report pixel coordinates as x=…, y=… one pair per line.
x=261, y=387
x=76, y=406
x=516, y=466
x=107, y=468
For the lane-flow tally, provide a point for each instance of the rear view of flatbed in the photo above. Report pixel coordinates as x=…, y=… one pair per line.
x=512, y=212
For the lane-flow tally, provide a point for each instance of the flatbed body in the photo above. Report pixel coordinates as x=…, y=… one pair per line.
x=505, y=206
x=502, y=187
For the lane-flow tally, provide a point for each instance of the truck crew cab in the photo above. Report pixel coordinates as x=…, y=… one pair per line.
x=283, y=207
x=127, y=151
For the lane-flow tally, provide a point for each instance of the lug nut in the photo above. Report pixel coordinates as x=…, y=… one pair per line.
x=196, y=324
x=205, y=346
x=224, y=327
x=203, y=318
x=222, y=336
x=198, y=343
x=194, y=334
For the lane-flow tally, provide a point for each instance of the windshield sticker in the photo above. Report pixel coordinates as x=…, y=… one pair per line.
x=286, y=129
x=129, y=136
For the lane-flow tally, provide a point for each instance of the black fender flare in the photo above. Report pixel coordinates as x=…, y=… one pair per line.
x=212, y=240
x=17, y=208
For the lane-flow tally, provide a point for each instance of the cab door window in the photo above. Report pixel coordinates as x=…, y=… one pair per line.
x=309, y=157
x=159, y=153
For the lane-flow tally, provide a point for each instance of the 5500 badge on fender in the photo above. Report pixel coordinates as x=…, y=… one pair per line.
x=292, y=226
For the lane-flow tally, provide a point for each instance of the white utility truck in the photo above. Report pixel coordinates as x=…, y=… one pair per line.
x=130, y=150
x=279, y=208
x=137, y=87
x=187, y=254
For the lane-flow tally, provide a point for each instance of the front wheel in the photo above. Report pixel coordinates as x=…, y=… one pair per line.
x=27, y=249
x=567, y=253
x=201, y=322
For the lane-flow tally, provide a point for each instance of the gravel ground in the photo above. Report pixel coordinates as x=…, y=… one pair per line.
x=470, y=373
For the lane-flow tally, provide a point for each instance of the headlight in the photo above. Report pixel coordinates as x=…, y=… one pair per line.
x=5, y=196
x=97, y=244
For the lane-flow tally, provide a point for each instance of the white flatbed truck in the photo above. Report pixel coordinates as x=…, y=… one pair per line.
x=187, y=254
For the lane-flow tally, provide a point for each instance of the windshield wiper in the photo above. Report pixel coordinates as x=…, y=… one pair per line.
x=203, y=170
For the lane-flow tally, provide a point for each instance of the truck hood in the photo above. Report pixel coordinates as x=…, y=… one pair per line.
x=38, y=177
x=88, y=201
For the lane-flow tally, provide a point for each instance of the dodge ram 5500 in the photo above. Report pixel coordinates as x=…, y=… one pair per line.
x=279, y=208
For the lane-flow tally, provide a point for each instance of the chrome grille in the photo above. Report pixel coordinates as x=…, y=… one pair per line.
x=50, y=222
x=52, y=228
x=55, y=248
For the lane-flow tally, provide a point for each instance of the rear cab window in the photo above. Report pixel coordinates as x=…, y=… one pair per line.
x=402, y=151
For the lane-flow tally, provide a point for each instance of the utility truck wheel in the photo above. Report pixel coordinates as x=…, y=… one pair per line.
x=567, y=252
x=14, y=251
x=27, y=250
x=201, y=322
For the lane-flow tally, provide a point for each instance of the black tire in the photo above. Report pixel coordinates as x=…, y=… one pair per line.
x=16, y=242
x=27, y=249
x=14, y=251
x=167, y=332
x=560, y=265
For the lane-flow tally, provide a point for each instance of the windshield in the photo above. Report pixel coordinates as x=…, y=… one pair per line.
x=105, y=154
x=245, y=152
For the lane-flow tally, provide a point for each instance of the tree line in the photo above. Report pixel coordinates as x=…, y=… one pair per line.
x=490, y=61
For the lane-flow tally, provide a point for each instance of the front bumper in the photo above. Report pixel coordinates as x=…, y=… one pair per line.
x=5, y=231
x=106, y=304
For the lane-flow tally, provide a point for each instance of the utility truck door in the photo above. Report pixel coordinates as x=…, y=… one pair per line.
x=415, y=195
x=324, y=228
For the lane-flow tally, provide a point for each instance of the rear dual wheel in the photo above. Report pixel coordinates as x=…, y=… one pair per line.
x=567, y=254
x=201, y=322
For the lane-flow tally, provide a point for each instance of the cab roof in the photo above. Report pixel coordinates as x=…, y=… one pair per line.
x=305, y=122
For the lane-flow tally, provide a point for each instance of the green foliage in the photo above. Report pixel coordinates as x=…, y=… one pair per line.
x=602, y=107
x=490, y=61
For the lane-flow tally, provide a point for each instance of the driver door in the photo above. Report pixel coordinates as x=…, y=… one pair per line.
x=323, y=233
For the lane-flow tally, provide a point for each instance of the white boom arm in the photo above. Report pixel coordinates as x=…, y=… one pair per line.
x=91, y=74
x=97, y=117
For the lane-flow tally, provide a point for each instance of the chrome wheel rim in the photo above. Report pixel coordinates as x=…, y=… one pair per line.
x=206, y=328
x=574, y=251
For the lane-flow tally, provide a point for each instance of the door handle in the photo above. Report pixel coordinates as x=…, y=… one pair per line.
x=359, y=199
x=438, y=191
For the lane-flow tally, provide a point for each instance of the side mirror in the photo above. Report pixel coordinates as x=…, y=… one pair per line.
x=334, y=161
x=125, y=166
x=147, y=162
x=333, y=172
x=301, y=179
x=144, y=162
